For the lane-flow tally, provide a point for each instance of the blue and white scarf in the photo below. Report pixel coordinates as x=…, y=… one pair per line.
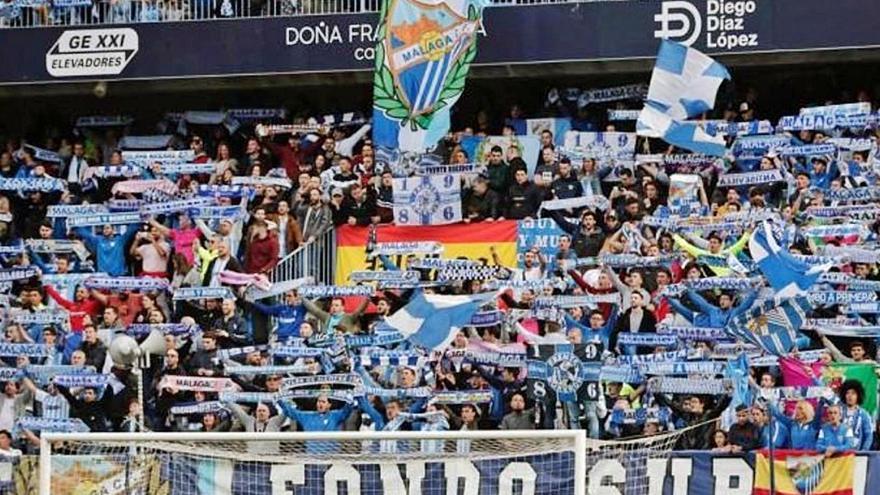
x=42, y=317
x=533, y=285
x=702, y=386
x=324, y=291
x=723, y=283
x=199, y=293
x=265, y=181
x=616, y=93
x=458, y=168
x=339, y=395
x=155, y=143
x=831, y=298
x=233, y=213
x=224, y=354
x=615, y=115
x=810, y=356
x=254, y=293
x=576, y=301
x=683, y=368
x=384, y=276
x=267, y=370
x=121, y=205
x=43, y=373
x=476, y=272
x=859, y=194
x=176, y=329
x=390, y=338
x=640, y=416
x=407, y=248
x=462, y=397
x=382, y=357
x=647, y=339
x=749, y=178
x=810, y=150
x=29, y=350
x=186, y=168
x=44, y=155
x=248, y=115
x=857, y=331
x=621, y=374
x=843, y=230
x=399, y=393
x=487, y=318
x=126, y=283
x=54, y=246
x=653, y=358
x=81, y=380
x=440, y=263
x=854, y=254
x=861, y=308
x=691, y=334
x=352, y=379
x=174, y=206
x=225, y=191
x=47, y=184
x=635, y=261
x=101, y=120
x=813, y=323
x=197, y=408
x=296, y=351
x=100, y=220
x=13, y=274
x=591, y=202
x=64, y=211
x=112, y=171
x=66, y=425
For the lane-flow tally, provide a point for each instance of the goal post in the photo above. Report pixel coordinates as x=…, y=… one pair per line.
x=527, y=462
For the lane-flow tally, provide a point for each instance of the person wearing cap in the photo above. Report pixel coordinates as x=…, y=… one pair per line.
x=821, y=174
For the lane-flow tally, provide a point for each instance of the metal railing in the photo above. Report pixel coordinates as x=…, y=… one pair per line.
x=315, y=259
x=40, y=13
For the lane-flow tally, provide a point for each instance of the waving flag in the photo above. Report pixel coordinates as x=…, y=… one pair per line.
x=423, y=58
x=684, y=84
x=786, y=274
x=771, y=326
x=431, y=321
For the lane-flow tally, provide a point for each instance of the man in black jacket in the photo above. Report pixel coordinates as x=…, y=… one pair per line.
x=524, y=197
x=359, y=208
x=480, y=203
x=89, y=409
x=698, y=437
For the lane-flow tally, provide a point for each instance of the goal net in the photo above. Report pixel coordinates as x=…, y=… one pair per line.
x=352, y=463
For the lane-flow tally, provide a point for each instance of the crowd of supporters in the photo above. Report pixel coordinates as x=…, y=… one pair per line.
x=291, y=363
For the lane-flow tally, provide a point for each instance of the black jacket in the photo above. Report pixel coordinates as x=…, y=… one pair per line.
x=523, y=201
x=485, y=206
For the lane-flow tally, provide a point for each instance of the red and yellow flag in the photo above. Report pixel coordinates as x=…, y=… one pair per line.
x=798, y=472
x=469, y=240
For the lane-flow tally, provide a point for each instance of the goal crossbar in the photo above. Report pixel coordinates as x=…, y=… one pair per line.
x=576, y=439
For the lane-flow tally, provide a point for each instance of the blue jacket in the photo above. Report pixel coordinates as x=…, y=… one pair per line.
x=316, y=421
x=709, y=314
x=289, y=318
x=862, y=427
x=110, y=251
x=780, y=436
x=801, y=436
x=840, y=437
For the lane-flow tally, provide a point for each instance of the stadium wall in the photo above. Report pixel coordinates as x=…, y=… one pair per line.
x=535, y=34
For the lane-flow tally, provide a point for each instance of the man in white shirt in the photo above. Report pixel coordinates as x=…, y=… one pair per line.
x=153, y=252
x=6, y=449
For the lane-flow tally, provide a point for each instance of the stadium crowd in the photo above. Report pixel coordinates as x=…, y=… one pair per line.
x=653, y=273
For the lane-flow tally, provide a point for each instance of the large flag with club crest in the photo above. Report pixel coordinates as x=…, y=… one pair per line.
x=798, y=472
x=787, y=275
x=684, y=85
x=427, y=200
x=423, y=57
x=772, y=326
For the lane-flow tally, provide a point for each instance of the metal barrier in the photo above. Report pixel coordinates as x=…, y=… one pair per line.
x=38, y=13
x=316, y=259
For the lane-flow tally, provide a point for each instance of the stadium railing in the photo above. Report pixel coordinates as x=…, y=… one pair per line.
x=315, y=259
x=42, y=13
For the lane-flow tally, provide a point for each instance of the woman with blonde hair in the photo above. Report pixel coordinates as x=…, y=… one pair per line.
x=803, y=427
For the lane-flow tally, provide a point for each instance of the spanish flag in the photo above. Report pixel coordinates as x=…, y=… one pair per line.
x=468, y=240
x=804, y=473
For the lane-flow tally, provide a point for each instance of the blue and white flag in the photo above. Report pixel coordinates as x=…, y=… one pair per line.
x=602, y=145
x=152, y=142
x=431, y=321
x=427, y=200
x=423, y=57
x=772, y=326
x=684, y=84
x=787, y=275
x=558, y=126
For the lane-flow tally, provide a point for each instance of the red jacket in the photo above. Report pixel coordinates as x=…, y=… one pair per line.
x=262, y=254
x=78, y=310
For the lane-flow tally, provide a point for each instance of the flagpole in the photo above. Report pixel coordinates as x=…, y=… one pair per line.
x=772, y=459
